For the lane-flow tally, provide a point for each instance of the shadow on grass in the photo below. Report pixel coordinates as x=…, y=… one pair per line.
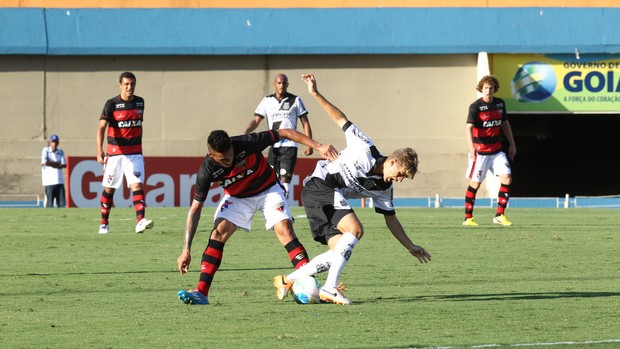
x=222, y=270
x=503, y=296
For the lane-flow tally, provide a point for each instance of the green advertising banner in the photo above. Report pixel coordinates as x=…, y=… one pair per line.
x=559, y=83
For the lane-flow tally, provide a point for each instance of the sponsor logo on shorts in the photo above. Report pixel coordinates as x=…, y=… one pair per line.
x=279, y=207
x=137, y=174
x=110, y=179
x=225, y=205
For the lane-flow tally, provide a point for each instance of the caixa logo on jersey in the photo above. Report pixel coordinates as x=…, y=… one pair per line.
x=129, y=123
x=169, y=182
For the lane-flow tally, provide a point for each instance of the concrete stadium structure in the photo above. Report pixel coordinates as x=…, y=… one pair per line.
x=405, y=74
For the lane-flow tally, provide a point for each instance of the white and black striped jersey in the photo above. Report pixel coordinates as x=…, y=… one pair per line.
x=281, y=114
x=352, y=173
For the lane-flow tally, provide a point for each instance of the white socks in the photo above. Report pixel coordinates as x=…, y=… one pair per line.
x=285, y=185
x=334, y=261
x=317, y=265
x=340, y=257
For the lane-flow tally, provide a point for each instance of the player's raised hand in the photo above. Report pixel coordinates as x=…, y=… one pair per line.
x=310, y=80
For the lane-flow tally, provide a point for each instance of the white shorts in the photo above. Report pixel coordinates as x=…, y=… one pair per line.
x=115, y=166
x=497, y=163
x=240, y=211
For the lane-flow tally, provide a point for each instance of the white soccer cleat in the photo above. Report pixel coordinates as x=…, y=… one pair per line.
x=143, y=225
x=334, y=295
x=104, y=229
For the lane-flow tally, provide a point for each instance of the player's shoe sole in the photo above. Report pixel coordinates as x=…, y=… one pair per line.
x=193, y=297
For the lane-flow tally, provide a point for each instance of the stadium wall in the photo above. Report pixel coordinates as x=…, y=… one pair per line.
x=404, y=74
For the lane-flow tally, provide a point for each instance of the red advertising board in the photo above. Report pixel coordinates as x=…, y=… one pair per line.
x=169, y=182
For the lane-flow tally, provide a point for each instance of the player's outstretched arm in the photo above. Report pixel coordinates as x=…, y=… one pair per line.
x=191, y=224
x=338, y=116
x=398, y=231
x=253, y=124
x=327, y=151
x=307, y=131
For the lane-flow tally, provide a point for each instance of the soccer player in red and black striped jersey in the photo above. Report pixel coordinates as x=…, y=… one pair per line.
x=122, y=116
x=250, y=185
x=487, y=124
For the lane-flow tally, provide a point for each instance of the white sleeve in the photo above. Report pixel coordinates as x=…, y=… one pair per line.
x=260, y=109
x=356, y=138
x=301, y=108
x=44, y=156
x=62, y=159
x=383, y=200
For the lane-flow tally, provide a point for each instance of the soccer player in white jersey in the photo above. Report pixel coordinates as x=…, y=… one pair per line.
x=282, y=109
x=360, y=170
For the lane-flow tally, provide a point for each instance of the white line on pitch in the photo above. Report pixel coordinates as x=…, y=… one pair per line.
x=521, y=344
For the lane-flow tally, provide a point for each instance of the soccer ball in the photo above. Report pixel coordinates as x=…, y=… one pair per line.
x=306, y=290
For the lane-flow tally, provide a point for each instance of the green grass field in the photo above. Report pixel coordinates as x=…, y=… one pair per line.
x=550, y=281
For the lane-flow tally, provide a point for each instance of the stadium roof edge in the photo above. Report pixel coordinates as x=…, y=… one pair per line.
x=324, y=31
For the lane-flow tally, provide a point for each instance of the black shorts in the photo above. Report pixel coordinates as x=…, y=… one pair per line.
x=318, y=200
x=283, y=161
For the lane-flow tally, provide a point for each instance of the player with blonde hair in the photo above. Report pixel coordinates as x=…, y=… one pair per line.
x=359, y=171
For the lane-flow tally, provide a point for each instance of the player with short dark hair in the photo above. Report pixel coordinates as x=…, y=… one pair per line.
x=250, y=185
x=359, y=171
x=487, y=125
x=122, y=116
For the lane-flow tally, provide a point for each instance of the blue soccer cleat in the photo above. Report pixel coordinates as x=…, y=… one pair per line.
x=193, y=297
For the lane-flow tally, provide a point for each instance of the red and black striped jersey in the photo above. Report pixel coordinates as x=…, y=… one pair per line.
x=124, y=125
x=487, y=120
x=250, y=174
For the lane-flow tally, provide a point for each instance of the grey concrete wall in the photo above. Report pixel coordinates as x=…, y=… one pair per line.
x=399, y=100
